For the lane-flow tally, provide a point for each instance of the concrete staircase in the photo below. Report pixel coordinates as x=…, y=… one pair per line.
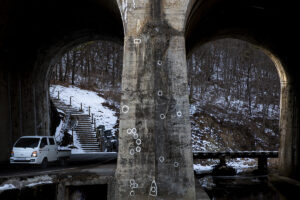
x=84, y=131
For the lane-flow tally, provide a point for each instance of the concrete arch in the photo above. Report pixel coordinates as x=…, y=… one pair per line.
x=266, y=24
x=32, y=34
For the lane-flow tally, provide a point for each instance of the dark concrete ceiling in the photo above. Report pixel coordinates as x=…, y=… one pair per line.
x=258, y=21
x=31, y=26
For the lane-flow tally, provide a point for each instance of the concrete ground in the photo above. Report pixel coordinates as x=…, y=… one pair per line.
x=83, y=168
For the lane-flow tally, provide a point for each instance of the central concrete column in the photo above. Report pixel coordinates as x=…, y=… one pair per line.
x=155, y=155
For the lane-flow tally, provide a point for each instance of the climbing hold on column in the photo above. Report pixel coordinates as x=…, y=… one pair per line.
x=137, y=41
x=161, y=159
x=179, y=113
x=125, y=109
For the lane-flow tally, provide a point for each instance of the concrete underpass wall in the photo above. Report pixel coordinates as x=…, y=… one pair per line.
x=24, y=108
x=289, y=130
x=5, y=118
x=32, y=33
x=269, y=26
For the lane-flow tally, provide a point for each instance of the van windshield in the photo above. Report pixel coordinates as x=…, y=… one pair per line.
x=28, y=142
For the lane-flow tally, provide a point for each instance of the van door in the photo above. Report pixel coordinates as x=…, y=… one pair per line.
x=44, y=148
x=52, y=150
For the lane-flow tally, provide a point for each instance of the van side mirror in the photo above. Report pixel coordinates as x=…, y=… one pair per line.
x=42, y=145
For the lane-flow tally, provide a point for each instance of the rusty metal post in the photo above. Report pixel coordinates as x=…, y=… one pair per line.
x=262, y=164
x=222, y=161
x=73, y=136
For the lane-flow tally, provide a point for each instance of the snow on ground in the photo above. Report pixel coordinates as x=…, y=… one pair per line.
x=242, y=164
x=77, y=150
x=58, y=134
x=7, y=187
x=14, y=183
x=202, y=168
x=39, y=183
x=239, y=164
x=103, y=115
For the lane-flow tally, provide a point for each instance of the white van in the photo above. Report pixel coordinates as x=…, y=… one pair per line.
x=37, y=150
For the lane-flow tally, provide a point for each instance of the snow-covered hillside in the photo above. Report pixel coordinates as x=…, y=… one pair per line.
x=103, y=115
x=206, y=135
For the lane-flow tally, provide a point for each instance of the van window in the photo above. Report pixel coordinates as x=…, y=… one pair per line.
x=28, y=142
x=51, y=141
x=44, y=142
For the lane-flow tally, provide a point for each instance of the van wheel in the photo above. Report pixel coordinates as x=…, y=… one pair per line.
x=44, y=163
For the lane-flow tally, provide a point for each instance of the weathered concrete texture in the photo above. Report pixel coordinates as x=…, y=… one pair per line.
x=5, y=139
x=289, y=130
x=155, y=155
x=24, y=110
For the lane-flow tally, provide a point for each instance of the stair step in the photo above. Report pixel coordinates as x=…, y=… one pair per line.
x=87, y=139
x=84, y=130
x=91, y=146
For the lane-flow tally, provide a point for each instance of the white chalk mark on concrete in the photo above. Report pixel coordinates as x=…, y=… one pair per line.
x=153, y=189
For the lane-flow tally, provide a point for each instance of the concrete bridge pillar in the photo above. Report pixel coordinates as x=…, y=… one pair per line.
x=155, y=155
x=289, y=130
x=24, y=106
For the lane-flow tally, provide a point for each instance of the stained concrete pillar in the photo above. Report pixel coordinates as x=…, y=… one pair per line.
x=289, y=129
x=155, y=155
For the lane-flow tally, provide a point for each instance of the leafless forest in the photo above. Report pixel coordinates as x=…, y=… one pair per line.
x=234, y=90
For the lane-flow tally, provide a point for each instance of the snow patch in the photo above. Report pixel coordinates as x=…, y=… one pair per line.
x=39, y=183
x=7, y=187
x=102, y=115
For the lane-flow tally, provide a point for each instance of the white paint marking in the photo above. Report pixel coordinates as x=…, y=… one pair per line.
x=138, y=141
x=161, y=159
x=138, y=149
x=125, y=109
x=179, y=113
x=137, y=41
x=153, y=189
x=162, y=116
